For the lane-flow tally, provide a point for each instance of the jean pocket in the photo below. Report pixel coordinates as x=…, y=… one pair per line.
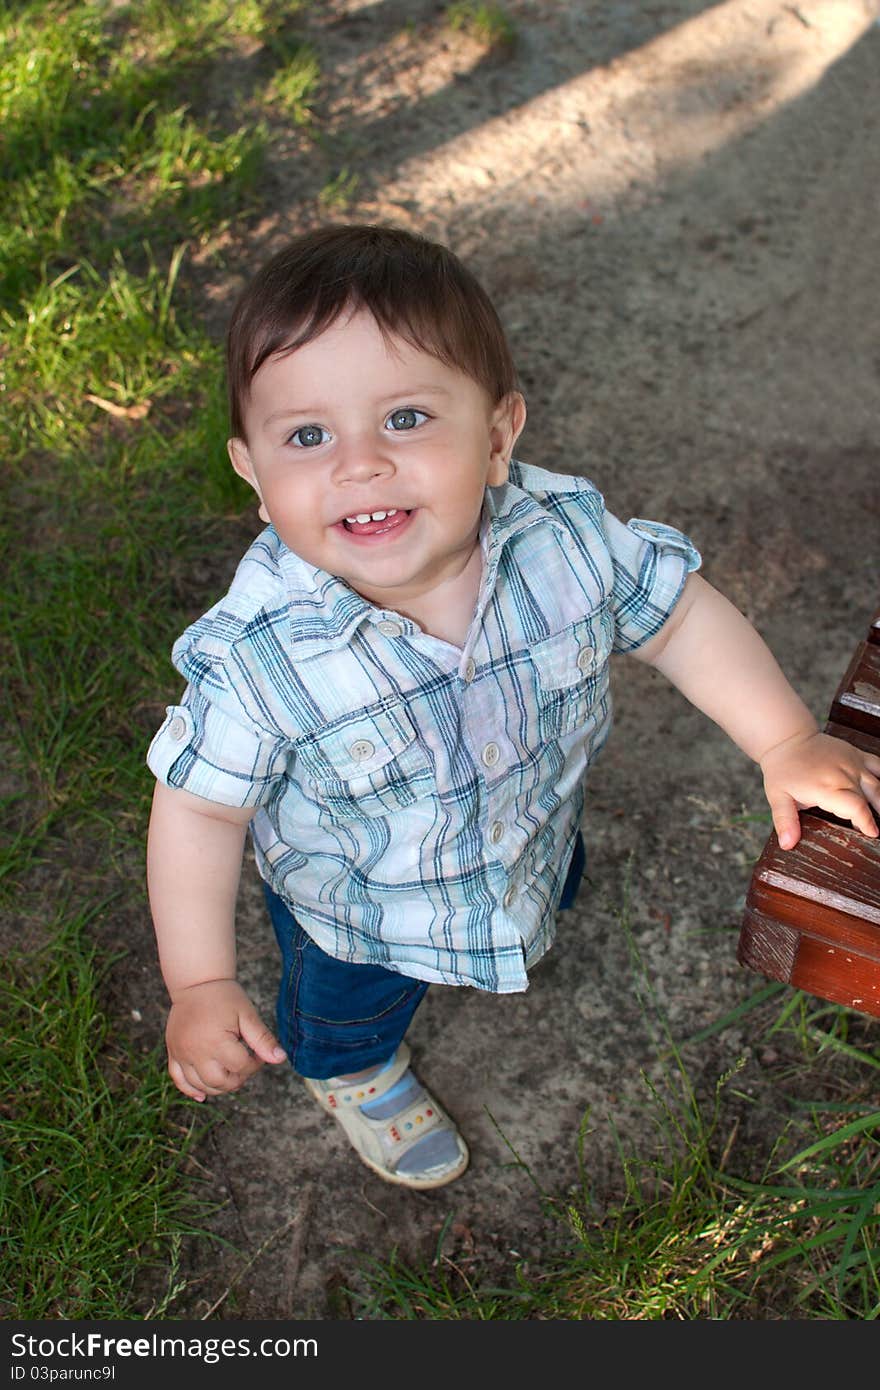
x=377, y=1005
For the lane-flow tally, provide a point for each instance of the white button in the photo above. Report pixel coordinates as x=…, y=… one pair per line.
x=496, y=831
x=361, y=749
x=509, y=897
x=470, y=669
x=177, y=728
x=389, y=628
x=586, y=656
x=490, y=754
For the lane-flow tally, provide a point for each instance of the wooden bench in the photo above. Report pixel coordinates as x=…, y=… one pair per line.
x=812, y=915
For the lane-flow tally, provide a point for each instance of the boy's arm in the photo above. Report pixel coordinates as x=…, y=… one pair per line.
x=714, y=656
x=215, y=1037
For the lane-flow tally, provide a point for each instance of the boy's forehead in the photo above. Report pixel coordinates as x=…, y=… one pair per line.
x=356, y=341
x=357, y=323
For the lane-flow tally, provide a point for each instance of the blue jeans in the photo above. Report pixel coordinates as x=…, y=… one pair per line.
x=335, y=1016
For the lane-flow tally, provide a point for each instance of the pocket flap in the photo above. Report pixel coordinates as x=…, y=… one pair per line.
x=575, y=655
x=359, y=746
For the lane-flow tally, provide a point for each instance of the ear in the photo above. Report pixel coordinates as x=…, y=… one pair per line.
x=239, y=457
x=506, y=426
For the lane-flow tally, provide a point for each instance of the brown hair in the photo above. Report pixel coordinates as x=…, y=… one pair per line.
x=413, y=287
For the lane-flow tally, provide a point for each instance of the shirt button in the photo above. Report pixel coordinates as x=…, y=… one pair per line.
x=496, y=832
x=361, y=749
x=509, y=897
x=470, y=669
x=490, y=754
x=177, y=728
x=586, y=657
x=389, y=628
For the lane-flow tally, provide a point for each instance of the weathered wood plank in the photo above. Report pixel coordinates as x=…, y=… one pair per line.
x=809, y=963
x=856, y=703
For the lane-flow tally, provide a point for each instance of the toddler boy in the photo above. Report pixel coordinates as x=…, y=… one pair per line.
x=402, y=691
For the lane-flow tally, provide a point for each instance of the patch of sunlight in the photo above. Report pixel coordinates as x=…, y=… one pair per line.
x=656, y=110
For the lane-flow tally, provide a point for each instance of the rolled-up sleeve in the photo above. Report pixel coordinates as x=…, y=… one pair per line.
x=204, y=749
x=651, y=562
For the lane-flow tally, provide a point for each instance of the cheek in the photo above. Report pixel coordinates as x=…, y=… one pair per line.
x=287, y=496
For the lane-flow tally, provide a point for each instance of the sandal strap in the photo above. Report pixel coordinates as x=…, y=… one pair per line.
x=399, y=1133
x=335, y=1095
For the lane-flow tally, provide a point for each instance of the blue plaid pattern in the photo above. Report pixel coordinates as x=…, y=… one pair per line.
x=417, y=803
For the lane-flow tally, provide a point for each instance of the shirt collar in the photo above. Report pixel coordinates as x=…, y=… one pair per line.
x=509, y=510
x=323, y=611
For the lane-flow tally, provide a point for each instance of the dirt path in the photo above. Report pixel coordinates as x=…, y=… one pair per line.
x=676, y=207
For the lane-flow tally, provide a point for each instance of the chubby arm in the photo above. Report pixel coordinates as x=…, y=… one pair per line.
x=714, y=656
x=215, y=1037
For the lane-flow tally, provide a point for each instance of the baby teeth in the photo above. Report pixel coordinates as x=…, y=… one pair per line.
x=363, y=517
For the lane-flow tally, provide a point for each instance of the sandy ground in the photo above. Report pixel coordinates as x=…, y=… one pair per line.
x=675, y=206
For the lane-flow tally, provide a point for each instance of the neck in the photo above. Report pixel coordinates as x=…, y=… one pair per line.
x=447, y=611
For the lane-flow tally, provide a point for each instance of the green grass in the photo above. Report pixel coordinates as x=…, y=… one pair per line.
x=134, y=138
x=490, y=24
x=115, y=487
x=90, y=1192
x=100, y=152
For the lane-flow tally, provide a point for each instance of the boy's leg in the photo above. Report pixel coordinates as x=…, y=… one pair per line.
x=342, y=1026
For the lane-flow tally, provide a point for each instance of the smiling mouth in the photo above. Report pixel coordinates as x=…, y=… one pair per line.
x=378, y=523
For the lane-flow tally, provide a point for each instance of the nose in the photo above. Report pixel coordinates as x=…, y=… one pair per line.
x=358, y=460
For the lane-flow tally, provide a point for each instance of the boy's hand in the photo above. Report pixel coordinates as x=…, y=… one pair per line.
x=814, y=769
x=216, y=1039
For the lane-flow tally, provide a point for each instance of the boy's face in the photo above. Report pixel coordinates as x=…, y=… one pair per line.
x=353, y=425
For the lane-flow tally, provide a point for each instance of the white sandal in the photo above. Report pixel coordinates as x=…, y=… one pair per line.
x=381, y=1144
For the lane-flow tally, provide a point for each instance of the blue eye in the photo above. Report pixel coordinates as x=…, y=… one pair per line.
x=406, y=419
x=309, y=436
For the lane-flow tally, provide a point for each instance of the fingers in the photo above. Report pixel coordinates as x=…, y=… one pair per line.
x=854, y=800
x=228, y=1069
x=861, y=794
x=786, y=821
x=853, y=806
x=232, y=1061
x=260, y=1039
x=827, y=773
x=870, y=786
x=176, y=1072
x=209, y=1079
x=847, y=803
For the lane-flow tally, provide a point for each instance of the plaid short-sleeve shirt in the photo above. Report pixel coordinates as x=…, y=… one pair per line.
x=417, y=803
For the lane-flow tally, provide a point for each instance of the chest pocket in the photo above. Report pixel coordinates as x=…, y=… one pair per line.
x=367, y=766
x=572, y=674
